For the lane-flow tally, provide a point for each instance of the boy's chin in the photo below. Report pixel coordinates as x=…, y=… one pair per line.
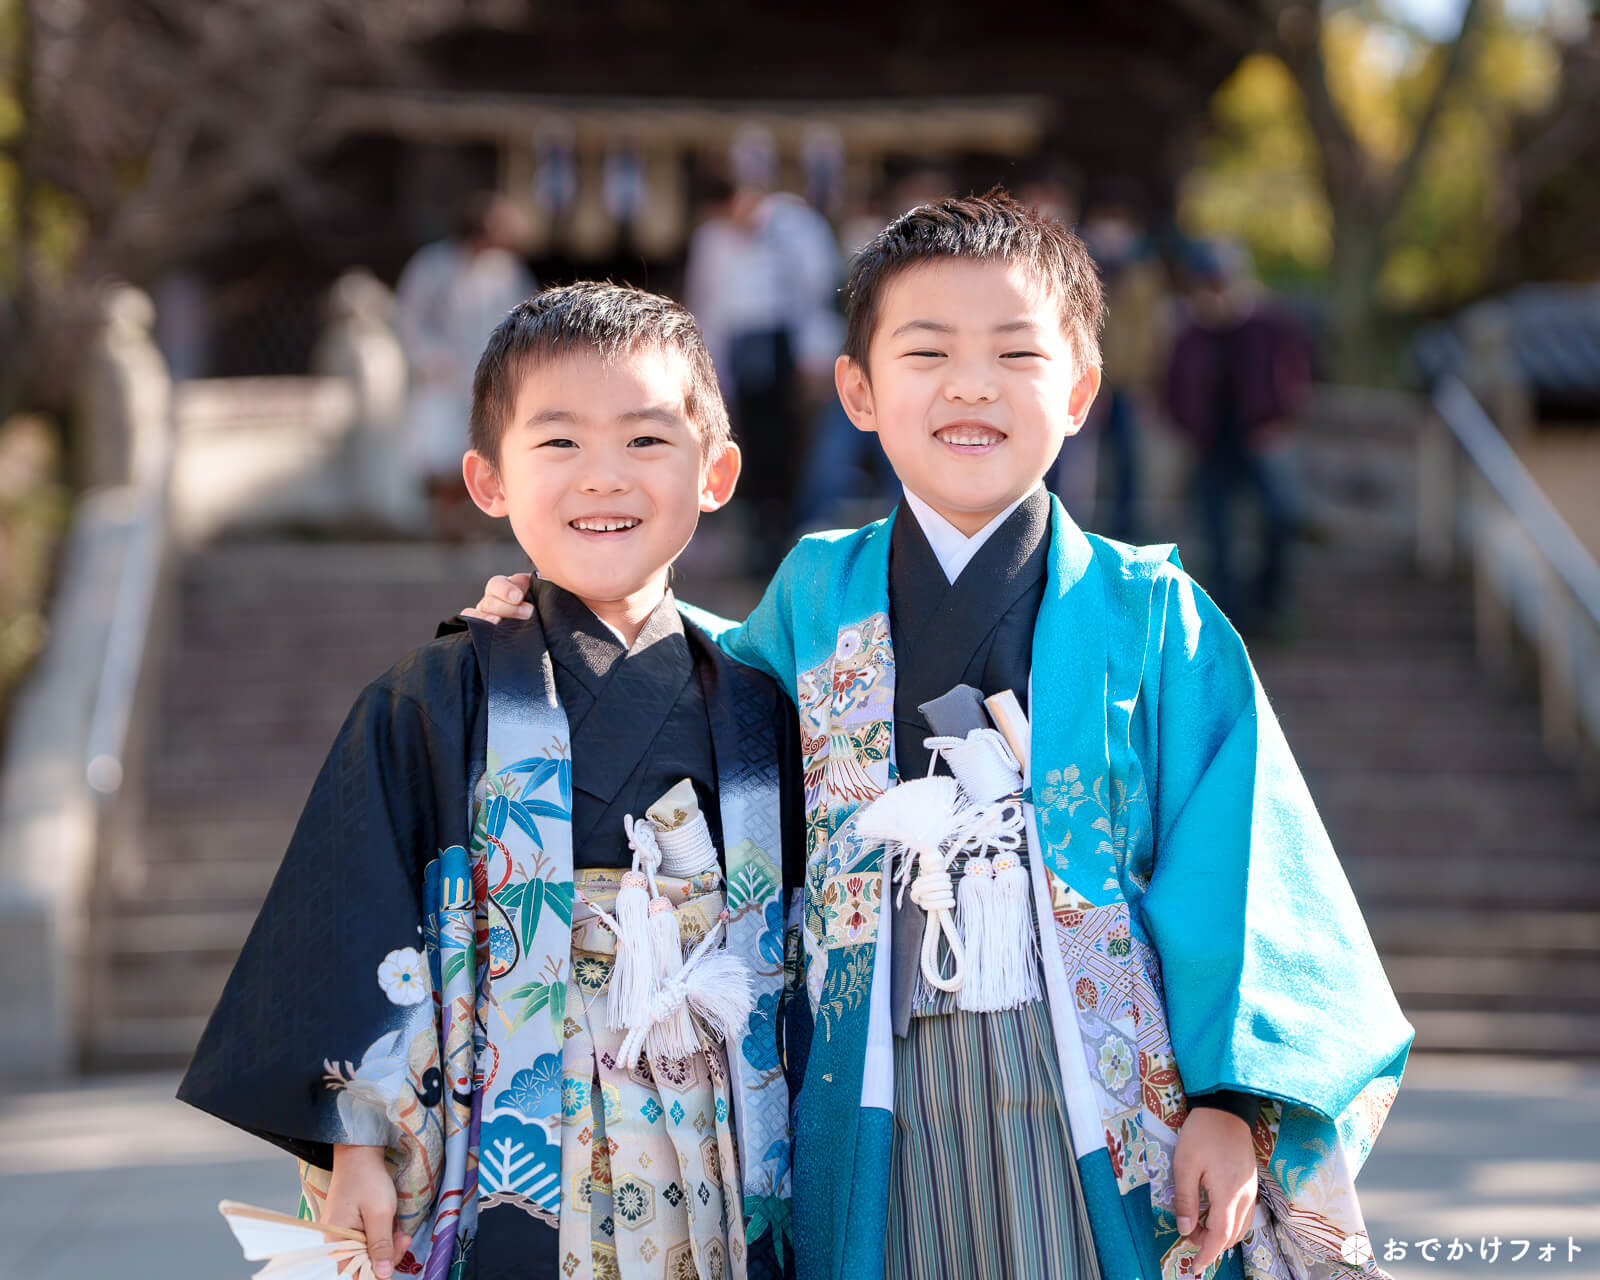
x=988, y=501
x=606, y=588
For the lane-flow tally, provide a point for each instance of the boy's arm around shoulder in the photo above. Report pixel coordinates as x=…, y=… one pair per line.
x=1272, y=983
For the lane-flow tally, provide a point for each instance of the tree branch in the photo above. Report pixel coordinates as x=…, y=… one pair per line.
x=1398, y=185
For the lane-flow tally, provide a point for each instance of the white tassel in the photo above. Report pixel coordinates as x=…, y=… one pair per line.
x=637, y=972
x=633, y=976
x=715, y=985
x=976, y=900
x=919, y=817
x=1003, y=969
x=671, y=1035
x=722, y=995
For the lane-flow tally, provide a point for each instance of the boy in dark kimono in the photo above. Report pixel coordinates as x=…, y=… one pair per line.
x=420, y=1013
x=1208, y=1016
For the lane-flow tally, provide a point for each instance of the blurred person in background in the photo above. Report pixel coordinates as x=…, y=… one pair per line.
x=762, y=279
x=845, y=468
x=1240, y=369
x=739, y=286
x=450, y=297
x=1054, y=188
x=1132, y=346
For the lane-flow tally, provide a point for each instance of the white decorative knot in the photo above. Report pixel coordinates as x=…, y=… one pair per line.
x=642, y=840
x=934, y=891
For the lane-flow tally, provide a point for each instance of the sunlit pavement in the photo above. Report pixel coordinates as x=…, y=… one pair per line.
x=112, y=1177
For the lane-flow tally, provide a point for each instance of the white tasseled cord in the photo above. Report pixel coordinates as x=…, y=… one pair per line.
x=918, y=818
x=665, y=947
x=716, y=985
x=996, y=919
x=640, y=967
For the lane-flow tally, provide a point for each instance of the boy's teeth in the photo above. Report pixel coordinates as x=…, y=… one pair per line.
x=603, y=526
x=970, y=437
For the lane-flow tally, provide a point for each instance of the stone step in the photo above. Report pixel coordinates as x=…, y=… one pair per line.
x=1319, y=750
x=1505, y=1031
x=1476, y=880
x=120, y=1042
x=1569, y=982
x=192, y=874
x=180, y=931
x=1426, y=930
x=166, y=984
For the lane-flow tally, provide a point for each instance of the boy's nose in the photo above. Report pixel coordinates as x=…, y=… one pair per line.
x=973, y=390
x=604, y=479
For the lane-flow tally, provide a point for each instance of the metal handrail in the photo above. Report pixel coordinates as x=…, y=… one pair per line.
x=1551, y=535
x=132, y=612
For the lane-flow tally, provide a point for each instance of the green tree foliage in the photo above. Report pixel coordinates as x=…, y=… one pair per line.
x=1373, y=160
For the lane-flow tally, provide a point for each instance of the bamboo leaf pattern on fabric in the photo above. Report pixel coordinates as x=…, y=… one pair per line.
x=769, y=1213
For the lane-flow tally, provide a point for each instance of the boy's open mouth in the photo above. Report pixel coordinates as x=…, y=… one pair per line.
x=969, y=437
x=604, y=526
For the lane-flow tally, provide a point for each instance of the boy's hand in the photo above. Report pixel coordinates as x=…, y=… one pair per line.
x=1215, y=1150
x=503, y=597
x=361, y=1198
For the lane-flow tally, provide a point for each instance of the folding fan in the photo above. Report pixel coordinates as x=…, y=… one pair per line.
x=295, y=1249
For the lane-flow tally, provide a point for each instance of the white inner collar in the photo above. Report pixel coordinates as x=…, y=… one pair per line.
x=952, y=548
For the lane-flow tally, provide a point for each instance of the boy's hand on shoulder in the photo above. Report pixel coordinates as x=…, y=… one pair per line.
x=361, y=1198
x=503, y=597
x=1215, y=1150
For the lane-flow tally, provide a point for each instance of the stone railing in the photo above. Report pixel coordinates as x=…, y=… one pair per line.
x=1536, y=586
x=76, y=724
x=163, y=466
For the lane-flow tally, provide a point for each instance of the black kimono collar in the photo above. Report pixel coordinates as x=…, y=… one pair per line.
x=1010, y=560
x=585, y=646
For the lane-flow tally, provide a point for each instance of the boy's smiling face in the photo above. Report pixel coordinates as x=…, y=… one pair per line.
x=973, y=385
x=602, y=478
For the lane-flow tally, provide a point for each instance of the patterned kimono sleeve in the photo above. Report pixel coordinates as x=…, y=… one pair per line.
x=325, y=1032
x=1271, y=981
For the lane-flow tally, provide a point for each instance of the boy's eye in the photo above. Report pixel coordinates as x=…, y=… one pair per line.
x=1021, y=355
x=642, y=442
x=927, y=354
x=560, y=442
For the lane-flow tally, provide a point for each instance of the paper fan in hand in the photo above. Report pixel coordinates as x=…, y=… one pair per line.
x=296, y=1249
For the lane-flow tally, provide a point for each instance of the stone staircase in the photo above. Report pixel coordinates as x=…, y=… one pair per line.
x=1474, y=857
x=1477, y=867
x=272, y=643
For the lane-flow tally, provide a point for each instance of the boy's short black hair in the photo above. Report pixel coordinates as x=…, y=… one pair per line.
x=992, y=227
x=607, y=320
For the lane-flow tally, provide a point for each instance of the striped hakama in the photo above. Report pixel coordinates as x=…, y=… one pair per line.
x=983, y=1182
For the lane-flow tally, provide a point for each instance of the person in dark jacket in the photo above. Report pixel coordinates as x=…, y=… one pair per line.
x=1239, y=370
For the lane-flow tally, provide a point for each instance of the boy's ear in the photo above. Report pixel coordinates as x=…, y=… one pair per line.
x=719, y=476
x=1084, y=391
x=855, y=393
x=483, y=483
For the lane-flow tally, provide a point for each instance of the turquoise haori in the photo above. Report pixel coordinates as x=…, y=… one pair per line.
x=1197, y=932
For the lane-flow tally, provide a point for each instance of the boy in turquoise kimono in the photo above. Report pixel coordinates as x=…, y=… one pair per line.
x=1215, y=1021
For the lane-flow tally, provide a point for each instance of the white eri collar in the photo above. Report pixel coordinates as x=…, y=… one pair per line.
x=952, y=548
